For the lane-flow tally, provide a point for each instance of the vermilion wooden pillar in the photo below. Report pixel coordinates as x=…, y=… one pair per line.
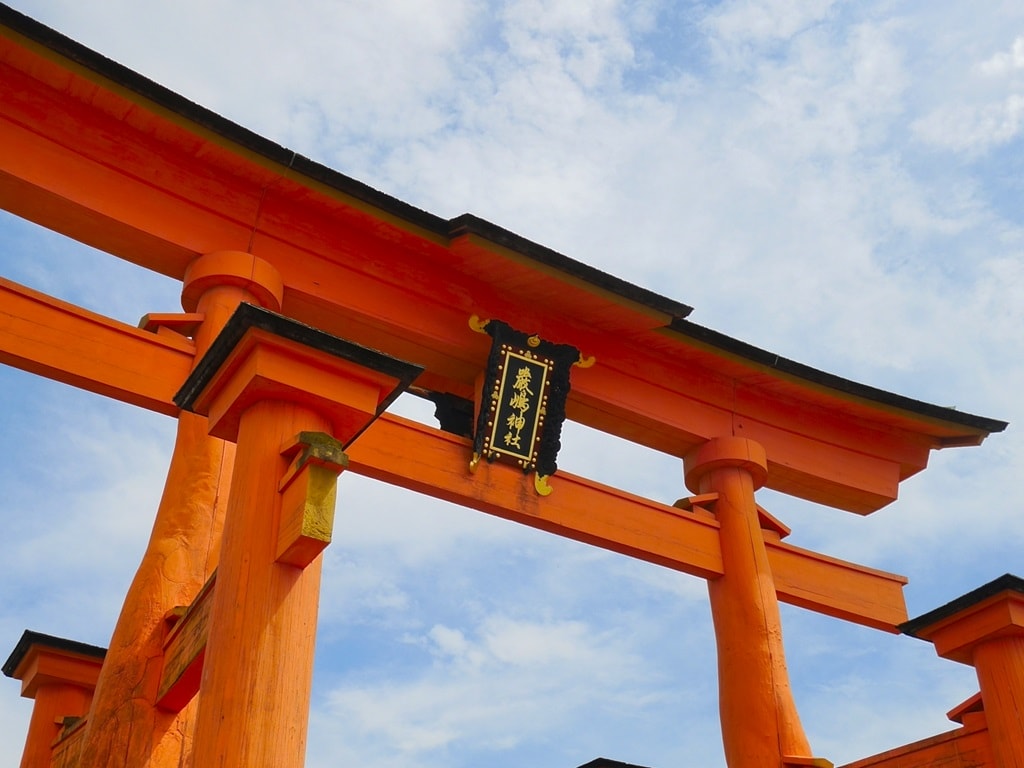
x=269, y=383
x=985, y=628
x=125, y=726
x=760, y=725
x=60, y=676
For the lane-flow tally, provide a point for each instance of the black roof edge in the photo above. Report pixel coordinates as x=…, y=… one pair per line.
x=604, y=762
x=248, y=316
x=838, y=383
x=468, y=224
x=211, y=121
x=30, y=638
x=1006, y=582
x=168, y=99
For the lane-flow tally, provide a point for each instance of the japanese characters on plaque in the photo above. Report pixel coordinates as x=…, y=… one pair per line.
x=523, y=401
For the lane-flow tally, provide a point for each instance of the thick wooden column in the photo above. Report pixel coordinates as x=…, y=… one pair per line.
x=985, y=628
x=60, y=675
x=285, y=393
x=254, y=694
x=999, y=663
x=125, y=726
x=760, y=725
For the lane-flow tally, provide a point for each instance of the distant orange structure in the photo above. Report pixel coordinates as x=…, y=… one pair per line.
x=309, y=302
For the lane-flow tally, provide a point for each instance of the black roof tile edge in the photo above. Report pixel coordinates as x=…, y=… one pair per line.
x=30, y=638
x=1006, y=582
x=838, y=383
x=211, y=121
x=467, y=223
x=248, y=316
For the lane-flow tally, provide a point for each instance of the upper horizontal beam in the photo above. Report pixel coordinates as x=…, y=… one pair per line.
x=99, y=153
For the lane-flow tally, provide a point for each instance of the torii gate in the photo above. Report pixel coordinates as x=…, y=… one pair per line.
x=333, y=268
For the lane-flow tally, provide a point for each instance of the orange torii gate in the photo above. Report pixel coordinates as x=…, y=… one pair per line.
x=291, y=275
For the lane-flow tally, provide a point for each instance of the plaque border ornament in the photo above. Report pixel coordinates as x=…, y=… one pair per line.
x=522, y=400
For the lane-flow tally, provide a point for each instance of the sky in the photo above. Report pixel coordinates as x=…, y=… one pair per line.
x=838, y=182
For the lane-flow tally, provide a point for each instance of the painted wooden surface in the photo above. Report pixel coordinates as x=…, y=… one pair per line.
x=966, y=747
x=259, y=657
x=1000, y=666
x=67, y=753
x=429, y=461
x=125, y=725
x=760, y=724
x=184, y=651
x=61, y=693
x=58, y=340
x=117, y=171
x=106, y=165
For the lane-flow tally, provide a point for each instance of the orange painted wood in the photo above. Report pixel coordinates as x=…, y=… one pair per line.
x=53, y=703
x=184, y=651
x=837, y=588
x=61, y=683
x=760, y=724
x=957, y=636
x=67, y=752
x=986, y=629
x=255, y=689
x=967, y=747
x=150, y=186
x=52, y=338
x=432, y=462
x=1000, y=666
x=125, y=723
x=414, y=457
x=271, y=394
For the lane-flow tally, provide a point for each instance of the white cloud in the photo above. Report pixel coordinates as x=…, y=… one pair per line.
x=973, y=128
x=1005, y=62
x=737, y=24
x=509, y=681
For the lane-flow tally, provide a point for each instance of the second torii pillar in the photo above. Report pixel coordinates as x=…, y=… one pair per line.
x=760, y=724
x=292, y=398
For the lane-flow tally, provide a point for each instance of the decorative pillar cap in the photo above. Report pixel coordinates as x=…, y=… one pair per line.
x=261, y=355
x=237, y=268
x=39, y=660
x=991, y=611
x=723, y=452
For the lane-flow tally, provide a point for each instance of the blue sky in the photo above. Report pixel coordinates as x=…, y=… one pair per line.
x=838, y=182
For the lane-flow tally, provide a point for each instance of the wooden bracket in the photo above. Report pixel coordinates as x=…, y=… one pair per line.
x=703, y=500
x=182, y=323
x=185, y=650
x=308, y=491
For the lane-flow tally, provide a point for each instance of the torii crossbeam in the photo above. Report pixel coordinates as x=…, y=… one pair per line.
x=98, y=153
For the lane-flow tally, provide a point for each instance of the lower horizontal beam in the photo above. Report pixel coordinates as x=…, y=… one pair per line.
x=435, y=463
x=60, y=341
